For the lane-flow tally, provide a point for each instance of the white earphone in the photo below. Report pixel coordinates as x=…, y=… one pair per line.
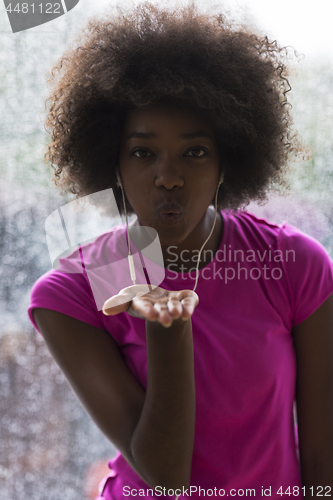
x=221, y=179
x=119, y=183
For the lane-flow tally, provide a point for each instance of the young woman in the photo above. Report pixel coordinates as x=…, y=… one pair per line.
x=185, y=114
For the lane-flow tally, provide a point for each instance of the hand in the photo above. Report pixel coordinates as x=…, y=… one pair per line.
x=159, y=305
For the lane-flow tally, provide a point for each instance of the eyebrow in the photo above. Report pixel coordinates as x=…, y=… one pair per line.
x=152, y=135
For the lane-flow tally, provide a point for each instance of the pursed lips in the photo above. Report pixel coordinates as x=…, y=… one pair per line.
x=169, y=208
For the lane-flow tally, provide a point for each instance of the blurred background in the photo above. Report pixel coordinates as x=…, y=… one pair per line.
x=48, y=443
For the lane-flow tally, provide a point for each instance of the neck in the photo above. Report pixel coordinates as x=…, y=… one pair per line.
x=184, y=257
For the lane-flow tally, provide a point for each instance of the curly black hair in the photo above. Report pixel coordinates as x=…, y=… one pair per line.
x=233, y=77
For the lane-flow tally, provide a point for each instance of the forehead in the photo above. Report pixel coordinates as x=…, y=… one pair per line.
x=165, y=116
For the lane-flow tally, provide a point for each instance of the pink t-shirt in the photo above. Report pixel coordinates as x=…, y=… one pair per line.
x=263, y=280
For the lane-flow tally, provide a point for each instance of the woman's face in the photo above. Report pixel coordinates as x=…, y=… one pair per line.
x=169, y=155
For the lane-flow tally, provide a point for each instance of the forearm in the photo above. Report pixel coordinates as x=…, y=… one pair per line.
x=317, y=477
x=162, y=443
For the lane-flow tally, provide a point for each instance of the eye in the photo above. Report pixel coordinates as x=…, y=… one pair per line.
x=199, y=152
x=140, y=155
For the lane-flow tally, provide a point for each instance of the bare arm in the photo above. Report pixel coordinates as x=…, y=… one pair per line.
x=313, y=340
x=154, y=431
x=162, y=442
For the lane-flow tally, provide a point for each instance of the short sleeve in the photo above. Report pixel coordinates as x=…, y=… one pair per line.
x=308, y=269
x=67, y=293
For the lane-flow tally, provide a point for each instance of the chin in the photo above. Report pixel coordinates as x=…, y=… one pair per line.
x=168, y=234
x=169, y=238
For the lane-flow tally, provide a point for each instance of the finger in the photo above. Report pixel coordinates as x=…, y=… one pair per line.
x=189, y=301
x=121, y=302
x=163, y=314
x=117, y=304
x=175, y=308
x=182, y=294
x=144, y=307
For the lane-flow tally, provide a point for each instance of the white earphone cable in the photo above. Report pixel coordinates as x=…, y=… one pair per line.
x=211, y=232
x=130, y=256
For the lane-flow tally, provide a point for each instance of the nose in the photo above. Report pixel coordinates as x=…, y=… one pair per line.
x=168, y=174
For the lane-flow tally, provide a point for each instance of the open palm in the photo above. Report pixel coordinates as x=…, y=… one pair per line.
x=160, y=305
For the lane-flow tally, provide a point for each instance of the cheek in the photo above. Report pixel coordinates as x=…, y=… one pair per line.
x=205, y=186
x=136, y=195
